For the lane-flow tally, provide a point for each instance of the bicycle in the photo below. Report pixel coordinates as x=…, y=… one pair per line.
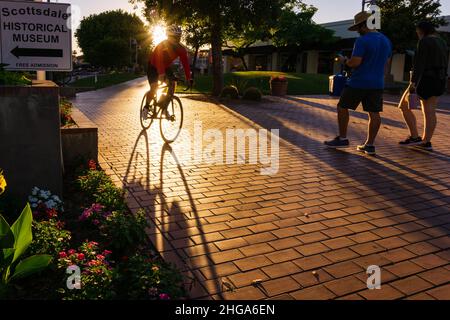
x=168, y=109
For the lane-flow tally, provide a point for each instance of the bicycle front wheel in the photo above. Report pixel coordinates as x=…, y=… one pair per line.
x=171, y=120
x=146, y=112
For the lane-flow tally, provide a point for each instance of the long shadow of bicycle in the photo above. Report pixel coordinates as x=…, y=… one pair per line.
x=167, y=221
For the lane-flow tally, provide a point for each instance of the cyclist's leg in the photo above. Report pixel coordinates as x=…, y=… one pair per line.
x=171, y=77
x=152, y=76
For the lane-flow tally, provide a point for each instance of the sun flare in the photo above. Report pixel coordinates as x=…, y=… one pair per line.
x=159, y=34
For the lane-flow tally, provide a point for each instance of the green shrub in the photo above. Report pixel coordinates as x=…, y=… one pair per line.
x=230, y=92
x=100, y=189
x=92, y=180
x=143, y=278
x=49, y=237
x=252, y=93
x=125, y=230
x=110, y=196
x=12, y=78
x=239, y=83
x=65, y=111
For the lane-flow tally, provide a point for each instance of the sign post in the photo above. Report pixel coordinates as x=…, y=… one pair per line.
x=35, y=36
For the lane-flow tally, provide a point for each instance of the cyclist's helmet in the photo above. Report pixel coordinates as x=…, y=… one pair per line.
x=174, y=31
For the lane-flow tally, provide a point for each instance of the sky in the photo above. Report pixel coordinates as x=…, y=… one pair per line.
x=329, y=10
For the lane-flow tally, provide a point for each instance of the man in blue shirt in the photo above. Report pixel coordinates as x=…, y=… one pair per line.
x=371, y=53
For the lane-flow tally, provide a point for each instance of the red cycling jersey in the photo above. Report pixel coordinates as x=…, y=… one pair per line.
x=165, y=54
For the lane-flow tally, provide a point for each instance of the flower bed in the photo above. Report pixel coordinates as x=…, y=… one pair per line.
x=65, y=112
x=93, y=231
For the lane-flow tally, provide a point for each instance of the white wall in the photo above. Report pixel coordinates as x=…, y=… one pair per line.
x=274, y=61
x=312, y=62
x=398, y=67
x=448, y=71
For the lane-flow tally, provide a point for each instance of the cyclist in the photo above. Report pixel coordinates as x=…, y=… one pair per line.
x=162, y=58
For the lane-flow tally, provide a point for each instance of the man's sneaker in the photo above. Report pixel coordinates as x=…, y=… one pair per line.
x=425, y=146
x=337, y=143
x=411, y=141
x=366, y=149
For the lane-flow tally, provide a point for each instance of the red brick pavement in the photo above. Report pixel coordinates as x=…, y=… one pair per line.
x=308, y=232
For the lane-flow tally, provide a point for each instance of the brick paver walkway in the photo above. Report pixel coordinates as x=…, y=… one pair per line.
x=308, y=232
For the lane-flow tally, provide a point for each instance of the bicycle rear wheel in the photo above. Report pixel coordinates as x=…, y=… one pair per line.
x=146, y=115
x=171, y=120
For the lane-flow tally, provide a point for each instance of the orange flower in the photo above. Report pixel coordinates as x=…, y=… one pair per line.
x=2, y=182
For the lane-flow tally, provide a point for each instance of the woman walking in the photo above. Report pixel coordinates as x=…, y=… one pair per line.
x=429, y=79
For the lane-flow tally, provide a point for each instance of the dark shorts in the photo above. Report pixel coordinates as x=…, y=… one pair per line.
x=431, y=87
x=371, y=99
x=152, y=73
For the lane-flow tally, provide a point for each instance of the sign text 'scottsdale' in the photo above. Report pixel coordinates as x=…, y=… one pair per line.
x=6, y=12
x=35, y=35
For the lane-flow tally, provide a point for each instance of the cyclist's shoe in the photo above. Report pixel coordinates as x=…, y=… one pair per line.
x=370, y=150
x=337, y=143
x=425, y=146
x=167, y=115
x=411, y=141
x=146, y=111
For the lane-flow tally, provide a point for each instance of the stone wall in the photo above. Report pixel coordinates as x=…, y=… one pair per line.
x=30, y=138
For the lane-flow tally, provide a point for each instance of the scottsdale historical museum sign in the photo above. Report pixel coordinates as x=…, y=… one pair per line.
x=35, y=36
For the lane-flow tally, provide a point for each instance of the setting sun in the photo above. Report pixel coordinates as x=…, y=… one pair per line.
x=159, y=34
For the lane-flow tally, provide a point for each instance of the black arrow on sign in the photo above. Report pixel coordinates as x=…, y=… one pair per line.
x=34, y=52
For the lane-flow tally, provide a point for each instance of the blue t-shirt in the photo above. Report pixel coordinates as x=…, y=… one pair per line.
x=375, y=49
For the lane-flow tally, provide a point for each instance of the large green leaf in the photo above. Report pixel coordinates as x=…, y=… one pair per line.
x=22, y=232
x=6, y=257
x=6, y=235
x=31, y=265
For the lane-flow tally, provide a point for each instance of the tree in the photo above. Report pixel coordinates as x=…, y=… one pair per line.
x=399, y=18
x=239, y=42
x=296, y=31
x=105, y=38
x=219, y=16
x=197, y=35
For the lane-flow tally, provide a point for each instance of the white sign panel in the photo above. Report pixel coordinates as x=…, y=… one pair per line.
x=35, y=36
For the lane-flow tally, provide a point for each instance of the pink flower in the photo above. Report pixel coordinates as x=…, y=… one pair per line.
x=92, y=165
x=92, y=244
x=86, y=214
x=100, y=257
x=153, y=291
x=80, y=256
x=71, y=252
x=97, y=207
x=93, y=263
x=62, y=254
x=96, y=222
x=164, y=296
x=106, y=252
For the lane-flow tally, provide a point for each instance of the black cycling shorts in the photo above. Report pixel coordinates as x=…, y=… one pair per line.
x=371, y=99
x=431, y=87
x=152, y=73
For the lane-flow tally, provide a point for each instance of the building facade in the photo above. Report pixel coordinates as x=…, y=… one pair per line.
x=264, y=56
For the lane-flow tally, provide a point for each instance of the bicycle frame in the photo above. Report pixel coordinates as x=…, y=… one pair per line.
x=169, y=94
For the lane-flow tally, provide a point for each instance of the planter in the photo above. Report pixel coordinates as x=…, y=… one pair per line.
x=278, y=88
x=79, y=143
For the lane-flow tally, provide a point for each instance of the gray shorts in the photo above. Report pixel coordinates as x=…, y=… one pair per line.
x=371, y=99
